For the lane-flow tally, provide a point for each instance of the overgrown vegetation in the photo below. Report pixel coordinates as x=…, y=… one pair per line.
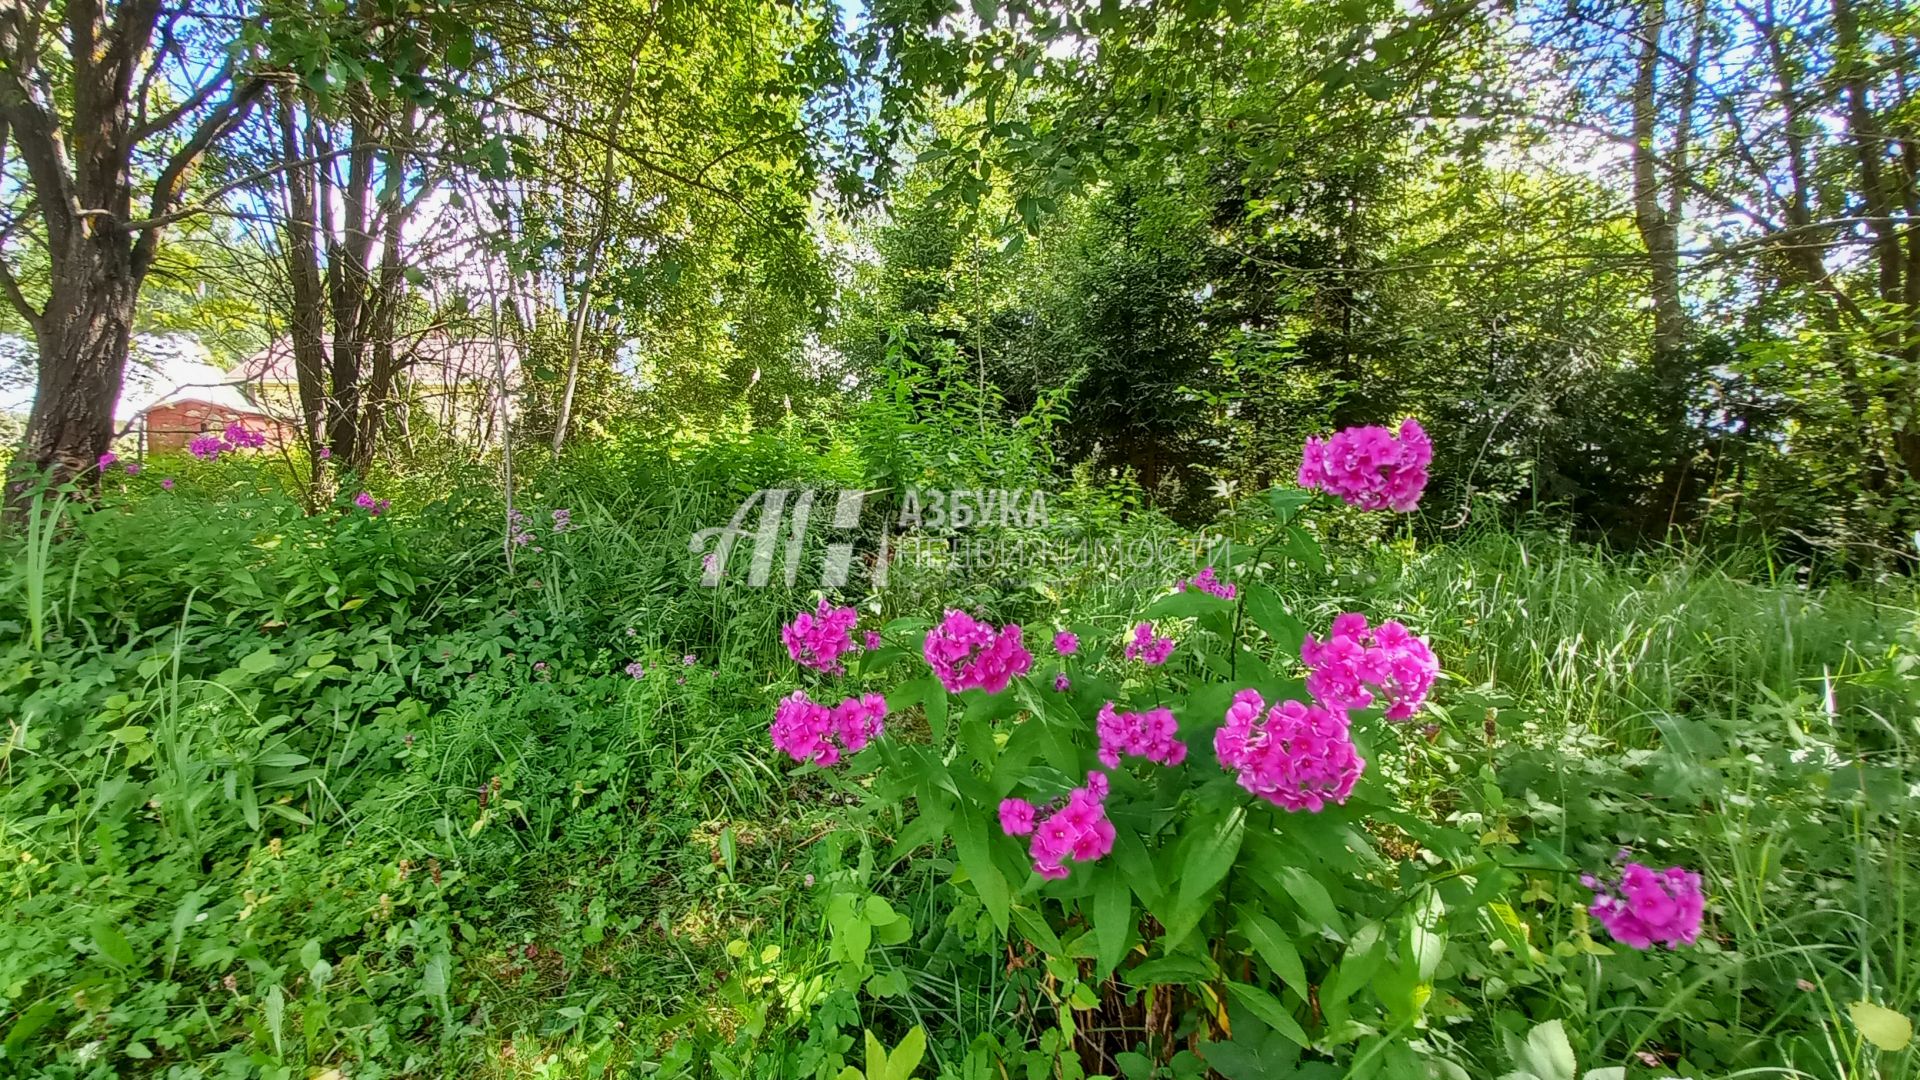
x=429, y=709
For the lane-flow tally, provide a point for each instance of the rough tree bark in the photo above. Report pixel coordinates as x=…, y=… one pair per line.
x=79, y=155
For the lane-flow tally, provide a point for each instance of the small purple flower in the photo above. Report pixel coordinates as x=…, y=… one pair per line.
x=562, y=520
x=1061, y=682
x=325, y=453
x=1066, y=643
x=374, y=507
x=873, y=640
x=710, y=562
x=167, y=483
x=1016, y=817
x=107, y=459
x=133, y=468
x=636, y=670
x=689, y=660
x=208, y=447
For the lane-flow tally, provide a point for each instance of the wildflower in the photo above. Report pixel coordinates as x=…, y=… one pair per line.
x=1066, y=643
x=710, y=562
x=1016, y=817
x=517, y=529
x=1369, y=467
x=872, y=640
x=1206, y=582
x=325, y=453
x=239, y=438
x=816, y=639
x=808, y=881
x=1143, y=734
x=1061, y=682
x=1079, y=830
x=374, y=507
x=133, y=468
x=965, y=653
x=562, y=520
x=166, y=483
x=208, y=447
x=810, y=732
x=1355, y=661
x=1298, y=757
x=636, y=670
x=689, y=660
x=1648, y=905
x=1148, y=648
x=107, y=459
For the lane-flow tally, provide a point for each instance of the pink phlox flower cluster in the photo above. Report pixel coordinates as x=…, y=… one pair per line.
x=208, y=447
x=1648, y=905
x=1066, y=643
x=1298, y=757
x=1061, y=682
x=1147, y=734
x=374, y=507
x=1207, y=582
x=107, y=459
x=1355, y=661
x=326, y=453
x=166, y=483
x=1370, y=467
x=1078, y=830
x=1145, y=647
x=239, y=438
x=636, y=670
x=133, y=468
x=816, y=639
x=810, y=732
x=966, y=653
x=872, y=640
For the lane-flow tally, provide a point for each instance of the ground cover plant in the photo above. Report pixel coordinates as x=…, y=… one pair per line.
x=1006, y=540
x=288, y=794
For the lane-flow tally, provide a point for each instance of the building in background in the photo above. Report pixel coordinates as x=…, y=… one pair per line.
x=450, y=384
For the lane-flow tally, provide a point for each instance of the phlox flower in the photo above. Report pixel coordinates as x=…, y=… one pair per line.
x=166, y=483
x=325, y=453
x=689, y=659
x=1016, y=817
x=208, y=447
x=238, y=437
x=1297, y=757
x=1079, y=830
x=107, y=459
x=816, y=639
x=1061, y=682
x=1648, y=905
x=872, y=640
x=1147, y=734
x=1355, y=661
x=374, y=507
x=810, y=732
x=1147, y=648
x=1066, y=643
x=133, y=468
x=1206, y=582
x=1370, y=467
x=966, y=653
x=518, y=529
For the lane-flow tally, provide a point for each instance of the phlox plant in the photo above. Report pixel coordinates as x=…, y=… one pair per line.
x=1199, y=815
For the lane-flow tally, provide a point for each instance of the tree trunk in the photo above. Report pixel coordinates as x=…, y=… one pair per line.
x=83, y=338
x=1658, y=227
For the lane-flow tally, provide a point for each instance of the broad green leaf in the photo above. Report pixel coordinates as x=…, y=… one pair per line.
x=1186, y=605
x=971, y=843
x=1884, y=1028
x=1270, y=1011
x=906, y=1056
x=1426, y=940
x=259, y=660
x=1172, y=969
x=275, y=1006
x=1270, y=613
x=1112, y=918
x=1363, y=957
x=1271, y=944
x=1207, y=851
x=1544, y=1053
x=111, y=943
